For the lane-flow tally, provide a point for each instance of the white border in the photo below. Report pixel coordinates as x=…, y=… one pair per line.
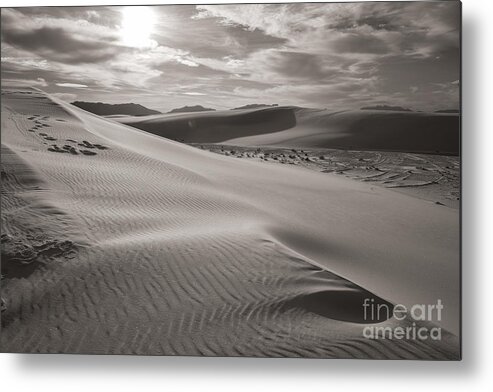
x=103, y=373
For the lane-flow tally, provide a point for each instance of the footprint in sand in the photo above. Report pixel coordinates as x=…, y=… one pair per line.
x=55, y=148
x=87, y=152
x=87, y=144
x=65, y=149
x=70, y=149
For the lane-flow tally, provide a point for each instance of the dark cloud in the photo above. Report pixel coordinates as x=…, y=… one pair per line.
x=398, y=73
x=209, y=38
x=58, y=45
x=102, y=15
x=54, y=42
x=360, y=43
x=378, y=22
x=298, y=65
x=371, y=19
x=57, y=12
x=173, y=70
x=253, y=40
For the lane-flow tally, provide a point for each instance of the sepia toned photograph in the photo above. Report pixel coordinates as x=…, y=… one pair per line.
x=232, y=180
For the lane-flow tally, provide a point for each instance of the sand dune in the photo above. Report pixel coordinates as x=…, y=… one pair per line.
x=379, y=130
x=119, y=241
x=216, y=126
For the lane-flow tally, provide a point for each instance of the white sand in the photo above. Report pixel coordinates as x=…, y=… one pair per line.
x=377, y=130
x=180, y=251
x=381, y=130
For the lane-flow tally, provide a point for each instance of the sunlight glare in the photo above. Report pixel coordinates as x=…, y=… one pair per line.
x=137, y=26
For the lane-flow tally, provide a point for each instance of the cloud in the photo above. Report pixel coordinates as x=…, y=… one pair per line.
x=68, y=97
x=39, y=82
x=414, y=27
x=207, y=36
x=58, y=45
x=71, y=85
x=297, y=64
x=274, y=66
x=23, y=63
x=42, y=82
x=58, y=39
x=359, y=43
x=187, y=62
x=276, y=20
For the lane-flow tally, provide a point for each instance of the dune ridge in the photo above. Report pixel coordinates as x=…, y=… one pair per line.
x=178, y=251
x=378, y=130
x=214, y=126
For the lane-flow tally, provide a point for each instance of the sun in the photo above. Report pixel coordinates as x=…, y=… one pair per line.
x=137, y=26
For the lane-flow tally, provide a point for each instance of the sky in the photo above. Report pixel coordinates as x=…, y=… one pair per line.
x=335, y=55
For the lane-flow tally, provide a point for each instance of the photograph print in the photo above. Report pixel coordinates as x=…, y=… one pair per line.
x=234, y=180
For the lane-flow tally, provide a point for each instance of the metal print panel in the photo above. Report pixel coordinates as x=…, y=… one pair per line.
x=261, y=180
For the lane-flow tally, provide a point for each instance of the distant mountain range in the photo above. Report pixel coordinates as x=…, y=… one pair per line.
x=255, y=106
x=387, y=107
x=448, y=111
x=402, y=109
x=190, y=109
x=106, y=109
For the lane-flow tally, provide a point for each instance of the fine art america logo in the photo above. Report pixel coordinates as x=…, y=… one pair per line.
x=418, y=324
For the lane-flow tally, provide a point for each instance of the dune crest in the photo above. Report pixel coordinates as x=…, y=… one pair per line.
x=215, y=126
x=366, y=129
x=376, y=129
